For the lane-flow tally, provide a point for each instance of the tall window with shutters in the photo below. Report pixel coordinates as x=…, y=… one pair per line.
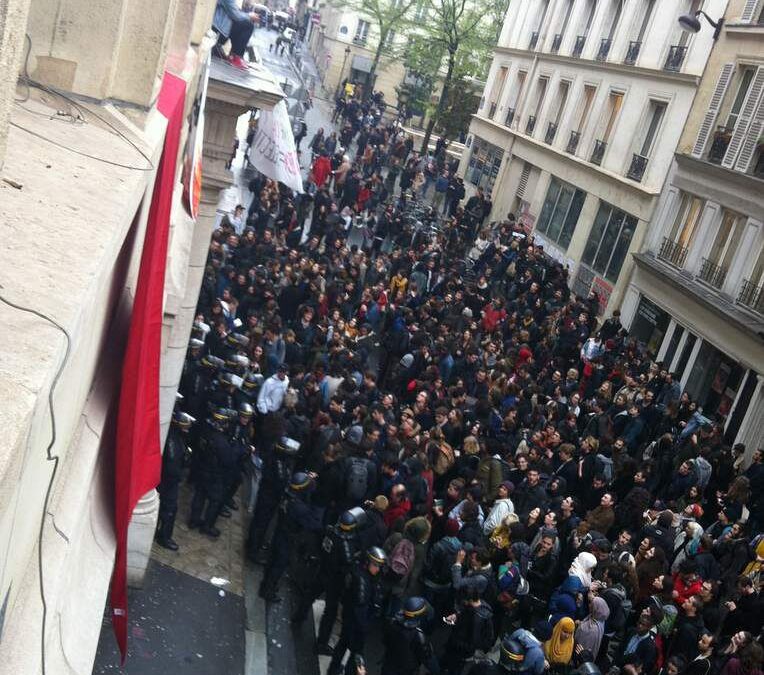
x=749, y=124
x=706, y=130
x=497, y=90
x=750, y=13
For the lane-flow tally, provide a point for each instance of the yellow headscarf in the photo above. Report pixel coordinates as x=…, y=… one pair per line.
x=754, y=568
x=557, y=650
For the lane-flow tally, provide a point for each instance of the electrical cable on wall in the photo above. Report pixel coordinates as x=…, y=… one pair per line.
x=80, y=117
x=50, y=457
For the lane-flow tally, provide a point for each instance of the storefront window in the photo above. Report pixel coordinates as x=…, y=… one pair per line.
x=649, y=325
x=609, y=241
x=560, y=212
x=484, y=164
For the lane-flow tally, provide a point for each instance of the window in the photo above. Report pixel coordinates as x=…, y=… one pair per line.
x=390, y=39
x=609, y=241
x=592, y=7
x=361, y=32
x=519, y=88
x=484, y=164
x=557, y=106
x=727, y=239
x=746, y=77
x=687, y=219
x=655, y=117
x=560, y=212
x=649, y=5
x=586, y=106
x=537, y=103
x=614, y=103
x=420, y=11
x=497, y=89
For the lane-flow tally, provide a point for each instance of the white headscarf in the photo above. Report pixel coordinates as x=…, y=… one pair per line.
x=582, y=568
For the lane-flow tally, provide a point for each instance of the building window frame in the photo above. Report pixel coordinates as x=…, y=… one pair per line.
x=609, y=240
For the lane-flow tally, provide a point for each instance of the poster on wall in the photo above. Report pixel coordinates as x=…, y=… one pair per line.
x=192, y=156
x=603, y=289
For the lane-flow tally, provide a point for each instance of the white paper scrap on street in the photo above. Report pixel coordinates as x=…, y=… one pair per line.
x=273, y=151
x=217, y=581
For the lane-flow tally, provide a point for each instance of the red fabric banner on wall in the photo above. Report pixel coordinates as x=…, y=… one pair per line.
x=138, y=461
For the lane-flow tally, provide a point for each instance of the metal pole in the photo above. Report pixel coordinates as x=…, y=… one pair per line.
x=342, y=71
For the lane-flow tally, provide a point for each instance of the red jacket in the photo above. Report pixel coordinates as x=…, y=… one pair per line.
x=684, y=591
x=492, y=317
x=322, y=169
x=395, y=511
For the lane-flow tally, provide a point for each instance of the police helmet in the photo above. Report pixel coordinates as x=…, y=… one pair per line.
x=182, y=419
x=348, y=521
x=300, y=481
x=376, y=556
x=253, y=381
x=220, y=417
x=237, y=340
x=213, y=362
x=195, y=343
x=587, y=668
x=414, y=610
x=288, y=446
x=512, y=654
x=246, y=410
x=238, y=361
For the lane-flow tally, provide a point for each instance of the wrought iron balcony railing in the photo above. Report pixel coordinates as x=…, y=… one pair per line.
x=604, y=49
x=551, y=130
x=712, y=273
x=530, y=124
x=637, y=167
x=632, y=53
x=556, y=42
x=718, y=149
x=578, y=47
x=510, y=116
x=673, y=253
x=752, y=296
x=534, y=40
x=572, y=146
x=599, y=152
x=675, y=58
x=492, y=110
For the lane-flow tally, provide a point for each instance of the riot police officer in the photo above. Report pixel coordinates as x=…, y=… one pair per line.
x=196, y=392
x=520, y=652
x=241, y=438
x=296, y=516
x=339, y=554
x=223, y=394
x=361, y=601
x=216, y=456
x=173, y=461
x=407, y=648
x=276, y=472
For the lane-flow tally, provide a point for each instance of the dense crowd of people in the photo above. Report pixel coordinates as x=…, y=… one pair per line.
x=455, y=448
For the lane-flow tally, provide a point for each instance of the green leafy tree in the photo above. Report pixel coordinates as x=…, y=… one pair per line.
x=387, y=16
x=462, y=34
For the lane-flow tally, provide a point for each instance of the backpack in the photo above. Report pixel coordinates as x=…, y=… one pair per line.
x=402, y=558
x=619, y=610
x=483, y=635
x=356, y=479
x=701, y=470
x=444, y=459
x=604, y=466
x=443, y=555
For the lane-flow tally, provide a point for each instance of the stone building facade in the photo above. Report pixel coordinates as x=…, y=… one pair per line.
x=78, y=152
x=583, y=108
x=696, y=295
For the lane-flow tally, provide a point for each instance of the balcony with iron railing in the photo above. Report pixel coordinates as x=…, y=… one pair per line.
x=492, y=110
x=510, y=117
x=534, y=40
x=675, y=58
x=359, y=40
x=530, y=124
x=673, y=253
x=751, y=296
x=578, y=46
x=632, y=53
x=572, y=146
x=604, y=49
x=712, y=273
x=599, y=152
x=637, y=167
x=719, y=144
x=556, y=42
x=551, y=130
